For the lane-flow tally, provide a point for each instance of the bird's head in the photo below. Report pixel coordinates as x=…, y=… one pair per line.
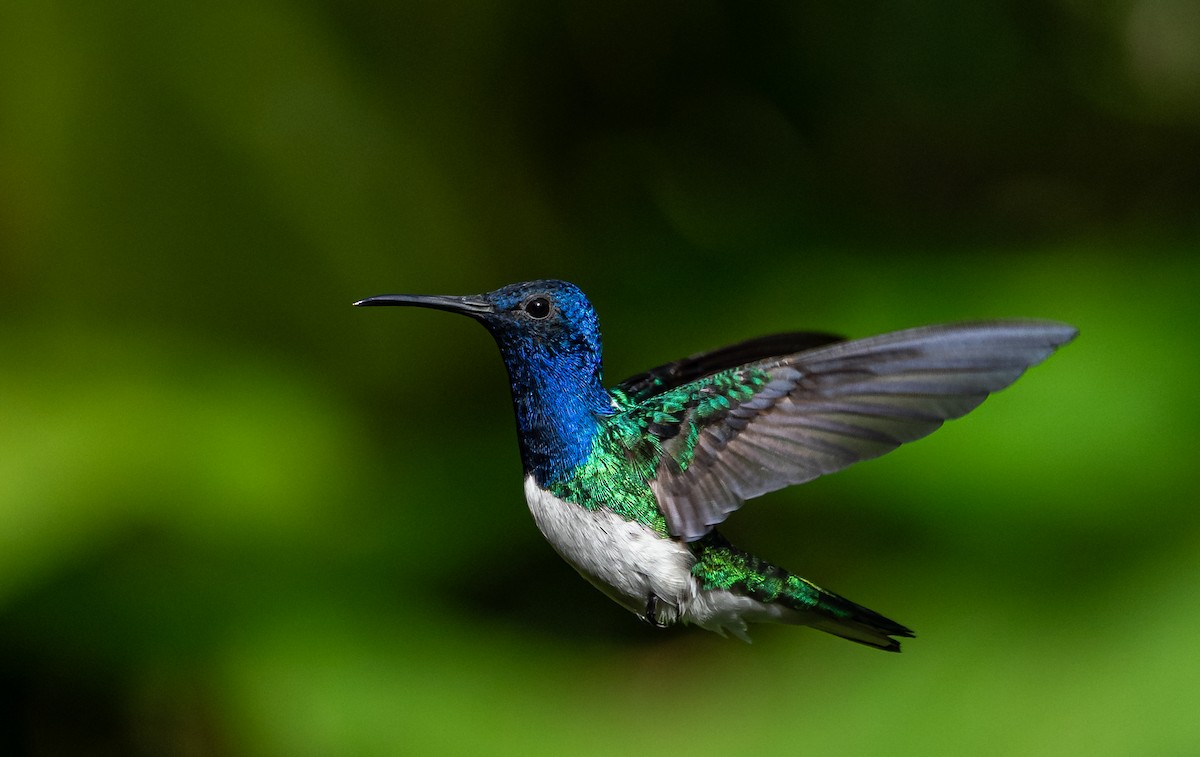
x=549, y=337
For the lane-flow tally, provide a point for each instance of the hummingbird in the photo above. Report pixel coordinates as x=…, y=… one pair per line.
x=629, y=483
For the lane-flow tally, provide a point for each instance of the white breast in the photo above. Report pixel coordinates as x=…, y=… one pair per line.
x=623, y=558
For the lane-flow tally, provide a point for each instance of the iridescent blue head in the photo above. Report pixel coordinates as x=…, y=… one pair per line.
x=549, y=337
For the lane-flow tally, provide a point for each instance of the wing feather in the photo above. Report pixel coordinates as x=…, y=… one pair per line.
x=788, y=419
x=679, y=372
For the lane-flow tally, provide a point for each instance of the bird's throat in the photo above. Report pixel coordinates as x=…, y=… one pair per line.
x=559, y=412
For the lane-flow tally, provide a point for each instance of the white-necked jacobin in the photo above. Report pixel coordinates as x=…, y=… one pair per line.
x=628, y=483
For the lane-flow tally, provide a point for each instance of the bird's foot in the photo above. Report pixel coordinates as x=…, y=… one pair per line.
x=651, y=615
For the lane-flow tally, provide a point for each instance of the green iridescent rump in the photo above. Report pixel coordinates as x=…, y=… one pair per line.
x=629, y=447
x=720, y=565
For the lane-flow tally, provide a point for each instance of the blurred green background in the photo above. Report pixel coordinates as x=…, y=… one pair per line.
x=240, y=517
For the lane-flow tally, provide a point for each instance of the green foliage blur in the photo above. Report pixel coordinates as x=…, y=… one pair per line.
x=240, y=517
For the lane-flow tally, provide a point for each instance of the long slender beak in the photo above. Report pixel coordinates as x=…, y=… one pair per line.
x=472, y=305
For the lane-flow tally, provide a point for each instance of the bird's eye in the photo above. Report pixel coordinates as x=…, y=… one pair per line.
x=537, y=307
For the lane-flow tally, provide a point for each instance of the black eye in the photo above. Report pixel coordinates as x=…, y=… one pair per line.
x=537, y=307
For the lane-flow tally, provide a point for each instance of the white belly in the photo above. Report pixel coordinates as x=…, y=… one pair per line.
x=631, y=563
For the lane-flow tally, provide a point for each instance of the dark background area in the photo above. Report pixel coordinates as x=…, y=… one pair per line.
x=240, y=517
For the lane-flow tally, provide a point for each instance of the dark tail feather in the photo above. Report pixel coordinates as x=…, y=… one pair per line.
x=720, y=565
x=841, y=617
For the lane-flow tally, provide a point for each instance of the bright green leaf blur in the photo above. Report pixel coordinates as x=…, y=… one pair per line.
x=239, y=517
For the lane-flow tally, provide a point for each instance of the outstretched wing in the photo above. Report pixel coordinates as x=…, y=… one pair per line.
x=665, y=377
x=735, y=434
